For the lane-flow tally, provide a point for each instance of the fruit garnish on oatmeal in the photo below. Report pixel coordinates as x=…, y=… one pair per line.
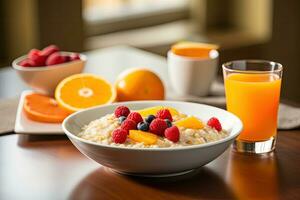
x=152, y=127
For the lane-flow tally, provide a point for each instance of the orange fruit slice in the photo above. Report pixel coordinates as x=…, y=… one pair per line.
x=153, y=110
x=41, y=108
x=142, y=136
x=190, y=122
x=81, y=91
x=193, y=49
x=139, y=84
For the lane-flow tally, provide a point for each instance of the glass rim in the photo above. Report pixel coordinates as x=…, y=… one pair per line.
x=272, y=63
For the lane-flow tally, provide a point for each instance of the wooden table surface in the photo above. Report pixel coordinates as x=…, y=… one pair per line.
x=50, y=167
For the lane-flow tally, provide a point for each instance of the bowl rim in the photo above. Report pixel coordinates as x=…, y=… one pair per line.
x=223, y=140
x=15, y=65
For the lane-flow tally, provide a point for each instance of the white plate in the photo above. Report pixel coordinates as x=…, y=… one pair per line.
x=27, y=126
x=153, y=161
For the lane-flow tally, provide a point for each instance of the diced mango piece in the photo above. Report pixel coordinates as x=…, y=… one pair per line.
x=190, y=122
x=153, y=110
x=142, y=136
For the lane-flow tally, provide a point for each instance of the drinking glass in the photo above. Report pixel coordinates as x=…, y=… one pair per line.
x=252, y=90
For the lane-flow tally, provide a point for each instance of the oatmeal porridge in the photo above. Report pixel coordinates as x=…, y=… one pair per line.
x=151, y=128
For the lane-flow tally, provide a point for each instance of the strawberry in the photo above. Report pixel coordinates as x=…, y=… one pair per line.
x=26, y=63
x=74, y=56
x=55, y=58
x=36, y=57
x=47, y=51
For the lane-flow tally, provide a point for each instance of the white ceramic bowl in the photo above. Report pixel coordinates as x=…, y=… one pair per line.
x=153, y=161
x=45, y=79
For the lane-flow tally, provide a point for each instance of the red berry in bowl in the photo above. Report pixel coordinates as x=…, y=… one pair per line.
x=55, y=58
x=47, y=51
x=214, y=123
x=74, y=56
x=119, y=136
x=128, y=124
x=36, y=57
x=26, y=63
x=135, y=116
x=158, y=126
x=122, y=111
x=172, y=134
x=164, y=114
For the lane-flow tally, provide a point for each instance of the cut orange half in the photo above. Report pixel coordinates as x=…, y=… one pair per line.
x=193, y=49
x=81, y=91
x=41, y=108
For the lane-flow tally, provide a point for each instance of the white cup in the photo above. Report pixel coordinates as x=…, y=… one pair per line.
x=190, y=75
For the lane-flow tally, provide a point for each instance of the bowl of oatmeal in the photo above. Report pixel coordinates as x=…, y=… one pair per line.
x=152, y=137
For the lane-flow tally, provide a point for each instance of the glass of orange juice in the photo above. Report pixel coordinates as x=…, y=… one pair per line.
x=252, y=90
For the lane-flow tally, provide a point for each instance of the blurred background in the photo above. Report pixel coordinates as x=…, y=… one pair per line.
x=262, y=29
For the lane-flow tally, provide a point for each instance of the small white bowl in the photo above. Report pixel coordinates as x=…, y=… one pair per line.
x=153, y=161
x=45, y=79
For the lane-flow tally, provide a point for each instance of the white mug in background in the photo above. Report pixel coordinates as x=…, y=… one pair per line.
x=191, y=75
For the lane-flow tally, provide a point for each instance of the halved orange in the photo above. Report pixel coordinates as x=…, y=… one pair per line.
x=193, y=49
x=81, y=91
x=41, y=108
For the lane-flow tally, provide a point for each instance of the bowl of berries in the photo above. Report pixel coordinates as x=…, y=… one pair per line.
x=152, y=138
x=43, y=69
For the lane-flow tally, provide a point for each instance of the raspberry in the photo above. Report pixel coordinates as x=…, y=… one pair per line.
x=135, y=116
x=122, y=111
x=36, y=57
x=172, y=134
x=119, y=136
x=74, y=56
x=214, y=123
x=128, y=124
x=47, y=51
x=26, y=63
x=158, y=126
x=164, y=114
x=55, y=58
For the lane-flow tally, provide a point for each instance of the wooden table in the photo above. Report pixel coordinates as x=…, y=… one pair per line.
x=50, y=167
x=39, y=167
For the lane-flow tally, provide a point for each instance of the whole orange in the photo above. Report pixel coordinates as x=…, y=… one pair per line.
x=139, y=84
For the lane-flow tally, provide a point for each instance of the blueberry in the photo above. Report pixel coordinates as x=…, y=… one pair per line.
x=121, y=119
x=143, y=126
x=169, y=123
x=150, y=118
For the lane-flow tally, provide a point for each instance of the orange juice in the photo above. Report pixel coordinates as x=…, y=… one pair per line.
x=193, y=49
x=254, y=98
